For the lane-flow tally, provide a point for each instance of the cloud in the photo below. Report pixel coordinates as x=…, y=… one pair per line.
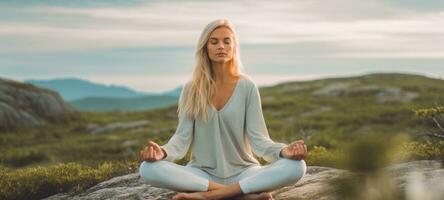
x=382, y=55
x=107, y=38
x=164, y=23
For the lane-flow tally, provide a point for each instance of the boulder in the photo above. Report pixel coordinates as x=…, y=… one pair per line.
x=24, y=105
x=316, y=184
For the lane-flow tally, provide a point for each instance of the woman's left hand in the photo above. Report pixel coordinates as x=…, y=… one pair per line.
x=297, y=150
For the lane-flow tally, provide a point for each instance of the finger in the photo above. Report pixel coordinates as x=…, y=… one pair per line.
x=305, y=151
x=288, y=151
x=159, y=152
x=297, y=142
x=147, y=154
x=152, y=153
x=145, y=151
x=298, y=151
x=302, y=149
x=150, y=143
x=294, y=152
x=157, y=148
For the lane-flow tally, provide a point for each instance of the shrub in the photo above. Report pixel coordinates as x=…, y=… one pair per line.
x=39, y=182
x=320, y=156
x=416, y=150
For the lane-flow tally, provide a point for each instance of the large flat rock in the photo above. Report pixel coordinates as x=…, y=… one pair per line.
x=316, y=184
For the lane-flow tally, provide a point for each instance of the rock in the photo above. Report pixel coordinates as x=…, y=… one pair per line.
x=124, y=187
x=383, y=94
x=91, y=126
x=427, y=173
x=316, y=184
x=332, y=90
x=24, y=105
x=320, y=110
x=395, y=94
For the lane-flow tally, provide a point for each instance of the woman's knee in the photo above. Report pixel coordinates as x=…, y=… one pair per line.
x=150, y=170
x=295, y=169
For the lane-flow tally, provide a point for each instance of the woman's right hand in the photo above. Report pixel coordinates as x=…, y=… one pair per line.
x=151, y=153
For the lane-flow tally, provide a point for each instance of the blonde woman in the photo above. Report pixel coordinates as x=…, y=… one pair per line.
x=220, y=117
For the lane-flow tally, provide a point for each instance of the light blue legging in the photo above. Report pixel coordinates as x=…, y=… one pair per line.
x=164, y=174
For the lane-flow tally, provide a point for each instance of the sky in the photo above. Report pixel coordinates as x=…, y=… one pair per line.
x=149, y=45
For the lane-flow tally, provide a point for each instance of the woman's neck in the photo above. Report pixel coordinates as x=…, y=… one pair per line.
x=223, y=72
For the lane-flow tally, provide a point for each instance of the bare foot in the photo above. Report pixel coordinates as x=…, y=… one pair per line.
x=256, y=196
x=193, y=196
x=203, y=196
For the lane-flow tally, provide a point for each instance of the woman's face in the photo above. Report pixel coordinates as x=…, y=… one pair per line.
x=220, y=45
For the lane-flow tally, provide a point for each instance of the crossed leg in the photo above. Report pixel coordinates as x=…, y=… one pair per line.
x=278, y=174
x=180, y=178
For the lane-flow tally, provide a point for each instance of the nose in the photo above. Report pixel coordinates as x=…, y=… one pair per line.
x=220, y=45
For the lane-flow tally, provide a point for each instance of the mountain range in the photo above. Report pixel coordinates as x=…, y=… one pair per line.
x=86, y=95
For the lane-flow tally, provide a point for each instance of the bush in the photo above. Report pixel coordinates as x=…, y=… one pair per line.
x=40, y=182
x=320, y=156
x=427, y=150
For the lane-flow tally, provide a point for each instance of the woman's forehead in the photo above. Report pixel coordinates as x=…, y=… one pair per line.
x=221, y=33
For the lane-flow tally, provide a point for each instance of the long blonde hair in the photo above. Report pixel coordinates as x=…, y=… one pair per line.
x=197, y=93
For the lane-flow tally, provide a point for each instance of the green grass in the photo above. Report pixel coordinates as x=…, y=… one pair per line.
x=40, y=182
x=285, y=109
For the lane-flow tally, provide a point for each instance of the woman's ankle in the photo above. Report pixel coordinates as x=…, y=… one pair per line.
x=214, y=186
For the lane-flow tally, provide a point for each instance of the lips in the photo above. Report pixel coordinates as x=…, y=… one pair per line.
x=221, y=54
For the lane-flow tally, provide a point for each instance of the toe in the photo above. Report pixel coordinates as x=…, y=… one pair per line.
x=266, y=195
x=177, y=196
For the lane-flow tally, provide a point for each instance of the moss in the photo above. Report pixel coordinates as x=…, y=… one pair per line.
x=39, y=182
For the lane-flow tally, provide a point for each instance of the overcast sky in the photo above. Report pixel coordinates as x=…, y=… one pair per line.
x=149, y=45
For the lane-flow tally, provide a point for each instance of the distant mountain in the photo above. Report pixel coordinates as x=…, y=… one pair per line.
x=89, y=96
x=74, y=89
x=173, y=93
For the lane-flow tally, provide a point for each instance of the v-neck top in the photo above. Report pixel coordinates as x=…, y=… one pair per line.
x=229, y=98
x=224, y=144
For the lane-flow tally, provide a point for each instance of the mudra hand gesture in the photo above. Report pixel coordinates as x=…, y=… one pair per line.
x=297, y=150
x=151, y=153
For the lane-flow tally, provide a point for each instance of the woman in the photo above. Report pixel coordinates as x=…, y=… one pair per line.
x=220, y=117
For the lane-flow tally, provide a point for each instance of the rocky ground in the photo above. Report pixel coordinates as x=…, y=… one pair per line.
x=419, y=177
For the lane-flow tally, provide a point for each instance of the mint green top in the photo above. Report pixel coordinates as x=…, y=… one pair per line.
x=224, y=145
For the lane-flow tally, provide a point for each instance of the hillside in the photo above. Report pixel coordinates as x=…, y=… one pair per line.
x=326, y=112
x=342, y=120
x=24, y=105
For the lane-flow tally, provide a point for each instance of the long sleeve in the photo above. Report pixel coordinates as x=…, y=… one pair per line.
x=256, y=128
x=179, y=143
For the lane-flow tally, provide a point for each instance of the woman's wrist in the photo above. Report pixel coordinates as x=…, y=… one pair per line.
x=164, y=153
